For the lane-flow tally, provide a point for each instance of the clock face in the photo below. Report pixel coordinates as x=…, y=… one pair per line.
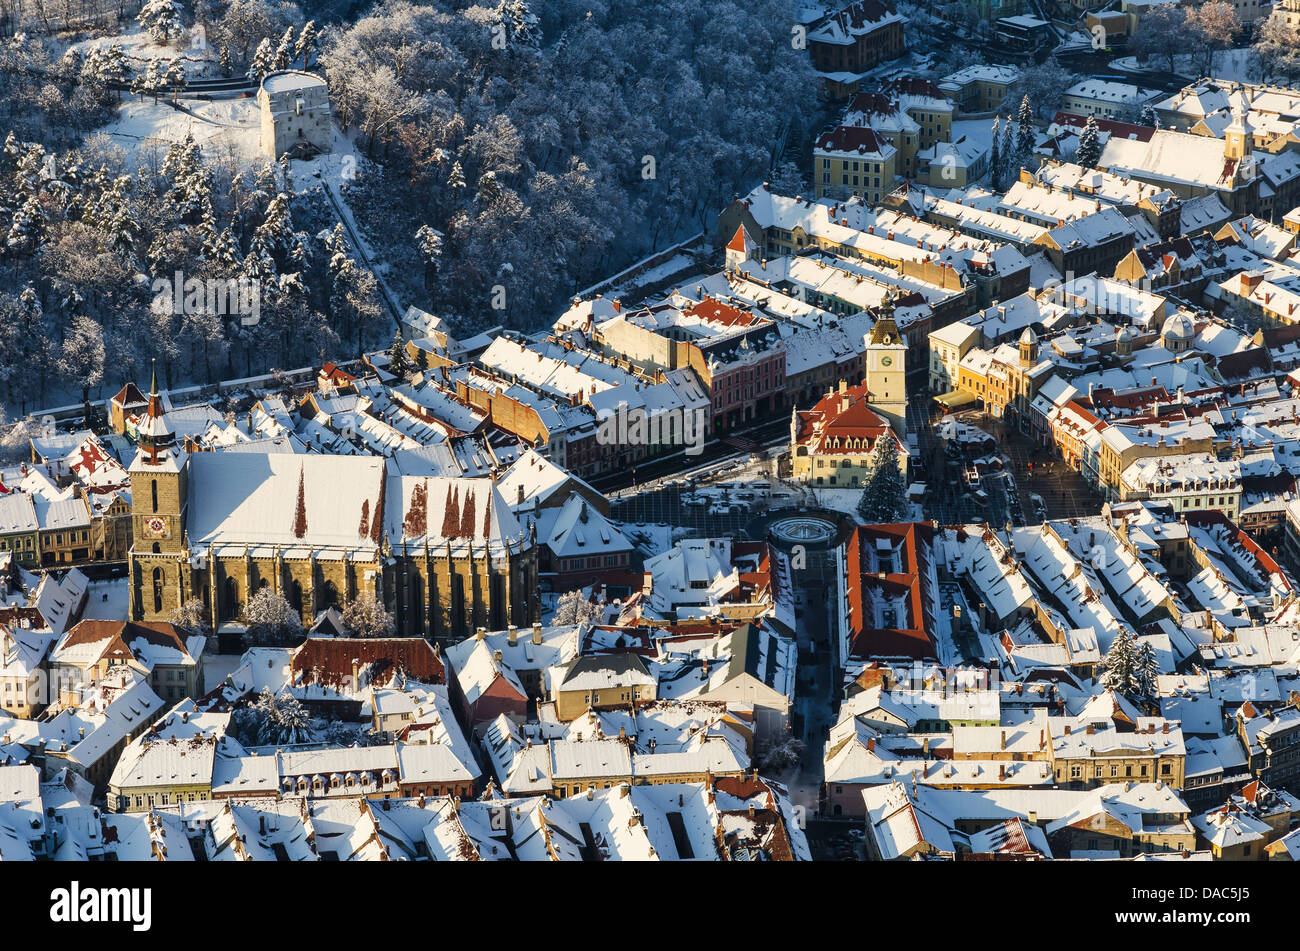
x=886, y=361
x=156, y=527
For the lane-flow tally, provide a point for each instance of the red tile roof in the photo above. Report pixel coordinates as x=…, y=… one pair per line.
x=328, y=660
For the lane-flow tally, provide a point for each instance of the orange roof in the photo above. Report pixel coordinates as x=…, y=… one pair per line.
x=717, y=312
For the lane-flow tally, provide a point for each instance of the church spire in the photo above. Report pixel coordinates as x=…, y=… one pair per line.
x=154, y=432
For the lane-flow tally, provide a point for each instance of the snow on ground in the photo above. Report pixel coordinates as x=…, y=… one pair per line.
x=108, y=600
x=838, y=500
x=222, y=128
x=1236, y=65
x=200, y=60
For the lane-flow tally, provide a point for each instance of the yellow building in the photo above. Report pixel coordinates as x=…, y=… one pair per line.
x=831, y=444
x=854, y=161
x=601, y=682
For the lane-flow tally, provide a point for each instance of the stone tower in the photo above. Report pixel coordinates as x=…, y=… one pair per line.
x=158, y=499
x=1237, y=142
x=886, y=378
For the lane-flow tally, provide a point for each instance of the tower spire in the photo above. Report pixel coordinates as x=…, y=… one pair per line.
x=153, y=430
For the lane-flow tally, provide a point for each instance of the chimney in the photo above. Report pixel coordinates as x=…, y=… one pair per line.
x=537, y=632
x=1091, y=729
x=512, y=635
x=496, y=657
x=1004, y=739
x=356, y=673
x=871, y=744
x=480, y=633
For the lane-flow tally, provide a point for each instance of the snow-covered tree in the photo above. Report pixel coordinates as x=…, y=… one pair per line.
x=489, y=189
x=272, y=721
x=366, y=616
x=430, y=242
x=1089, y=151
x=780, y=756
x=397, y=361
x=1009, y=157
x=1146, y=669
x=1148, y=116
x=574, y=607
x=884, y=497
x=1025, y=130
x=160, y=19
x=263, y=62
x=191, y=192
x=174, y=77
x=284, y=49
x=151, y=82
x=1130, y=668
x=995, y=156
x=270, y=618
x=1276, y=50
x=307, y=45
x=456, y=177
x=83, y=354
x=522, y=27
x=192, y=616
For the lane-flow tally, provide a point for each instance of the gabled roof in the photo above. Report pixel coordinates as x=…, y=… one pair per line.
x=147, y=642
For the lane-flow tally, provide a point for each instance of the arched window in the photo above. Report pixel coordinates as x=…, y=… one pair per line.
x=295, y=595
x=157, y=549
x=330, y=595
x=157, y=590
x=153, y=490
x=229, y=599
x=415, y=604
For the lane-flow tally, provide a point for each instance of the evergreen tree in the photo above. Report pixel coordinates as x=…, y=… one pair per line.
x=1089, y=152
x=174, y=78
x=884, y=496
x=523, y=30
x=489, y=190
x=308, y=44
x=223, y=60
x=1148, y=117
x=398, y=365
x=1025, y=130
x=263, y=62
x=430, y=241
x=1009, y=157
x=456, y=177
x=1121, y=664
x=1146, y=668
x=284, y=52
x=995, y=156
x=160, y=19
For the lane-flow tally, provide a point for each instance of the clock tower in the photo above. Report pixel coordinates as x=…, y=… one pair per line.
x=158, y=496
x=887, y=370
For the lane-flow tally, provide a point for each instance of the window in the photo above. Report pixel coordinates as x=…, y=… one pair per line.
x=153, y=490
